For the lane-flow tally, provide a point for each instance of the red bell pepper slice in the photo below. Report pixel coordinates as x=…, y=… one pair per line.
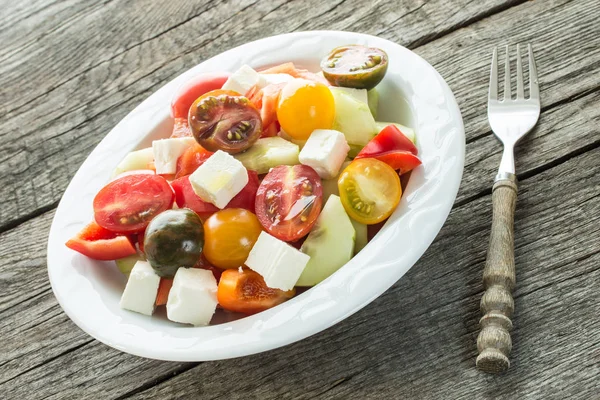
x=98, y=243
x=393, y=148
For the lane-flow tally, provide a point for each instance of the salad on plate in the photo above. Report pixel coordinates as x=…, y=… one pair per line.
x=269, y=182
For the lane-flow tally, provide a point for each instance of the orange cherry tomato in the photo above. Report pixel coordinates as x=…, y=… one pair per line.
x=246, y=292
x=229, y=235
x=305, y=106
x=370, y=190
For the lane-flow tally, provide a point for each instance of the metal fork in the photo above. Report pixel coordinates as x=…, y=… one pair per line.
x=510, y=120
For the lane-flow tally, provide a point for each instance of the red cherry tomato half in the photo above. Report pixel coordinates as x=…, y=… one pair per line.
x=289, y=200
x=134, y=172
x=194, y=88
x=190, y=160
x=186, y=197
x=393, y=148
x=98, y=243
x=224, y=122
x=129, y=203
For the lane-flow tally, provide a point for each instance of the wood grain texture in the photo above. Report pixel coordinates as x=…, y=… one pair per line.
x=105, y=78
x=71, y=69
x=497, y=305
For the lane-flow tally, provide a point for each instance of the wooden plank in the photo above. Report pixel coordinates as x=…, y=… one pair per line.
x=144, y=21
x=23, y=23
x=15, y=11
x=103, y=76
x=429, y=318
x=564, y=36
x=561, y=132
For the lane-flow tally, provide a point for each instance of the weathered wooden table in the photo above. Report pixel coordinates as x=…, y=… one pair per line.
x=70, y=70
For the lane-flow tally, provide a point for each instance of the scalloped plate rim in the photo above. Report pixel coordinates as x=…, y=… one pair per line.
x=75, y=279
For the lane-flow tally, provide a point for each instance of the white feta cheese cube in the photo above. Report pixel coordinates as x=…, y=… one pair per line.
x=167, y=151
x=276, y=261
x=325, y=151
x=219, y=179
x=140, y=292
x=193, y=297
x=273, y=79
x=242, y=80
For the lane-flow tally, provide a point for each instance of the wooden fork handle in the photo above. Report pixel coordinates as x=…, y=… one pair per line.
x=497, y=306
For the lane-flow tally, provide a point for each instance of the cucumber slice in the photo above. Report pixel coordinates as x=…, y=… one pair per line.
x=362, y=237
x=358, y=94
x=353, y=118
x=408, y=132
x=268, y=153
x=135, y=160
x=300, y=143
x=330, y=186
x=330, y=243
x=373, y=101
x=354, y=150
x=126, y=264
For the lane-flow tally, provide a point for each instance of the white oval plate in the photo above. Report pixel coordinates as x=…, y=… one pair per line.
x=412, y=93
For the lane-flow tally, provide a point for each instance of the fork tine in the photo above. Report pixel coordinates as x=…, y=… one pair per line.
x=534, y=90
x=493, y=93
x=507, y=91
x=520, y=92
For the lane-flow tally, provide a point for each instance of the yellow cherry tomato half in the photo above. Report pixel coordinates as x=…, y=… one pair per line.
x=370, y=190
x=229, y=235
x=305, y=106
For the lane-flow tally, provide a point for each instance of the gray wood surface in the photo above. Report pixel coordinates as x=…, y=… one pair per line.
x=70, y=70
